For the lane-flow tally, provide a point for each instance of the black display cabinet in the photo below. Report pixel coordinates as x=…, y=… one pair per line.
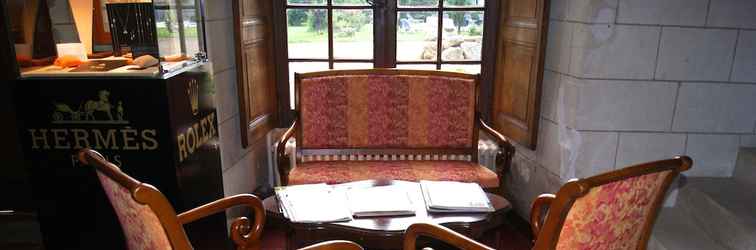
x=158, y=123
x=162, y=131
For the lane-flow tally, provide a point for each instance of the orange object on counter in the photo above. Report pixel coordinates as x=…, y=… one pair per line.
x=175, y=58
x=68, y=61
x=24, y=61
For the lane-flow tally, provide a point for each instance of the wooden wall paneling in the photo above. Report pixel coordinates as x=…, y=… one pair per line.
x=517, y=85
x=258, y=102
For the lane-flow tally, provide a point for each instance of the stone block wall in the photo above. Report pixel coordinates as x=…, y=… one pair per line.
x=630, y=81
x=244, y=169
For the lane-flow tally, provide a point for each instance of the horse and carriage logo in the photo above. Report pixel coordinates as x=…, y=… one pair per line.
x=96, y=111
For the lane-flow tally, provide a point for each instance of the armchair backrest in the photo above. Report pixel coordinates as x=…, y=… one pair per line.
x=615, y=210
x=146, y=217
x=345, y=112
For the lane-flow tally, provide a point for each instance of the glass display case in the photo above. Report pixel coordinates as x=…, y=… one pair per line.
x=137, y=38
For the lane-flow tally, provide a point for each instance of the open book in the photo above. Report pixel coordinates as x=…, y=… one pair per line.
x=450, y=196
x=380, y=201
x=313, y=203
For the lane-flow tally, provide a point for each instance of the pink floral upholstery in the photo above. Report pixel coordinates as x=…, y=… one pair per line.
x=611, y=216
x=333, y=172
x=140, y=225
x=387, y=111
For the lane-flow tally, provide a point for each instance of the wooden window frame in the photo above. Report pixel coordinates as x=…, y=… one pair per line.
x=384, y=48
x=440, y=10
x=329, y=8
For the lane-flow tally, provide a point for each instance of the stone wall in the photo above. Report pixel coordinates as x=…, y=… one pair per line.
x=629, y=81
x=244, y=169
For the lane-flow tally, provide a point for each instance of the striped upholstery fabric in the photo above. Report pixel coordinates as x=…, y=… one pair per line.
x=387, y=111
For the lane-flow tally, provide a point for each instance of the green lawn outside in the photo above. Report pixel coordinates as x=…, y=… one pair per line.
x=163, y=32
x=301, y=34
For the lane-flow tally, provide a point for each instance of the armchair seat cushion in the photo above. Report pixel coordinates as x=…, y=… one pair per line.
x=334, y=172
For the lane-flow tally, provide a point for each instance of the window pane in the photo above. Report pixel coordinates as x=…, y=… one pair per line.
x=463, y=36
x=191, y=29
x=306, y=2
x=307, y=33
x=302, y=67
x=353, y=65
x=416, y=36
x=353, y=34
x=418, y=3
x=464, y=3
x=169, y=41
x=464, y=68
x=416, y=66
x=350, y=2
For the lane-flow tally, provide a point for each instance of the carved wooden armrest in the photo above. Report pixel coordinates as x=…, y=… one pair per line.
x=506, y=149
x=284, y=164
x=334, y=245
x=540, y=205
x=244, y=235
x=440, y=233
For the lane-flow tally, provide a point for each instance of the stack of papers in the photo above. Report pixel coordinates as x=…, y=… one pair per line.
x=313, y=203
x=450, y=196
x=380, y=201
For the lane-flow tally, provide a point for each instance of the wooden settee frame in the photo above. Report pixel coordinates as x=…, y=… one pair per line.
x=503, y=157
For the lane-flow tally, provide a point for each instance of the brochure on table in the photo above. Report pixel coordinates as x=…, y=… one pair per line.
x=380, y=201
x=450, y=196
x=314, y=203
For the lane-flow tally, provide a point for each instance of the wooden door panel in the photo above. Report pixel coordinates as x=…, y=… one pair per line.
x=251, y=8
x=523, y=8
x=514, y=34
x=255, y=78
x=519, y=66
x=253, y=30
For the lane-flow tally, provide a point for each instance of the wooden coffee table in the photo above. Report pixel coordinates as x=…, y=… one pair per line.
x=388, y=232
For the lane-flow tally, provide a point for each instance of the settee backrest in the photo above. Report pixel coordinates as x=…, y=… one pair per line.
x=386, y=109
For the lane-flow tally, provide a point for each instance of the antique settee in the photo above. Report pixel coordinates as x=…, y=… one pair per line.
x=388, y=124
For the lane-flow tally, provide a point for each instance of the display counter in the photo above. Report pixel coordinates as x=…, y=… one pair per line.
x=143, y=97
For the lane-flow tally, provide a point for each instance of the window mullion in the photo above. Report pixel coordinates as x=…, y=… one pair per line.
x=330, y=34
x=384, y=40
x=440, y=31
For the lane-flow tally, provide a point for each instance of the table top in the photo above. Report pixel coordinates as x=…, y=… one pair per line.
x=397, y=224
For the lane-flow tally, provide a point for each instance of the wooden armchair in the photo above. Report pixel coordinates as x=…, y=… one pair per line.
x=149, y=221
x=615, y=210
x=407, y=125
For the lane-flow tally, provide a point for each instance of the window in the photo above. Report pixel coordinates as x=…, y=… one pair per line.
x=460, y=31
x=328, y=34
x=353, y=34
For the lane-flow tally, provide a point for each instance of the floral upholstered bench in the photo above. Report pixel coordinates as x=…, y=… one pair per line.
x=388, y=124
